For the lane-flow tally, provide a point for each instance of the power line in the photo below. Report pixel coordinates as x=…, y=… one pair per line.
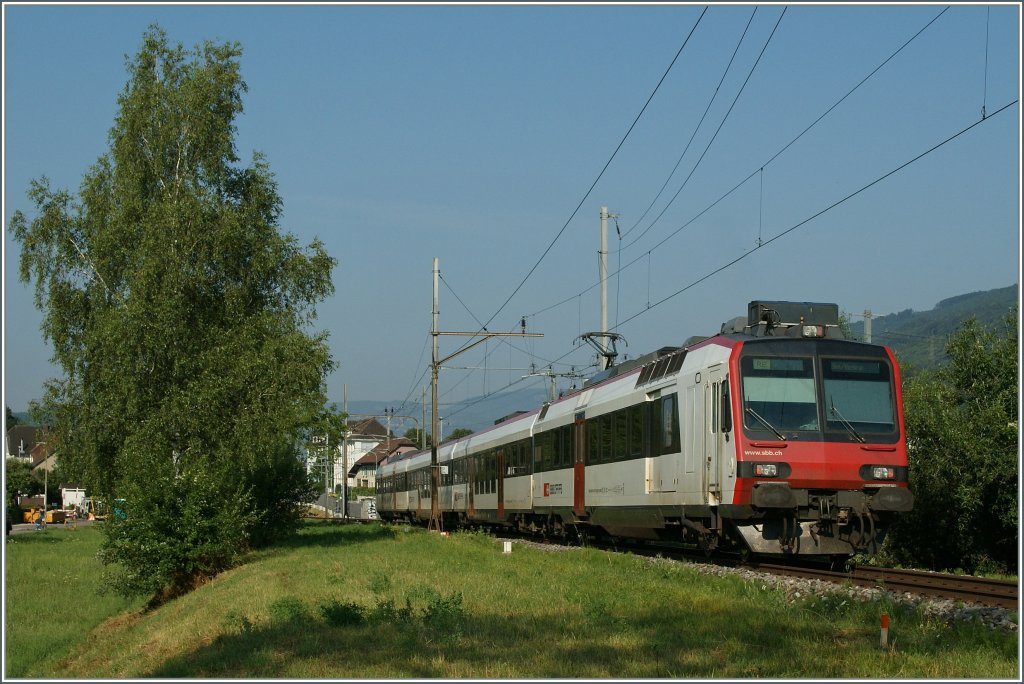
x=695, y=129
x=599, y=175
x=713, y=137
x=775, y=156
x=776, y=237
x=823, y=211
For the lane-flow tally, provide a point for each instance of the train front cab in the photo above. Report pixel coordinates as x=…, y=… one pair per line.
x=821, y=463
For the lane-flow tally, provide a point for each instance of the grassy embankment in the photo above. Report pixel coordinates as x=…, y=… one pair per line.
x=393, y=602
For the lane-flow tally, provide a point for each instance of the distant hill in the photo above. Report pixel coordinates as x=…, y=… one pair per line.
x=919, y=337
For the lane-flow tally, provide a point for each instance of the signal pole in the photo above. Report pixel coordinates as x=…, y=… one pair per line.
x=435, y=367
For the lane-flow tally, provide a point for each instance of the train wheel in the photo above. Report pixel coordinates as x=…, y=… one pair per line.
x=708, y=542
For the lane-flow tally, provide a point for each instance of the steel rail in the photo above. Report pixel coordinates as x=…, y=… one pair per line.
x=966, y=588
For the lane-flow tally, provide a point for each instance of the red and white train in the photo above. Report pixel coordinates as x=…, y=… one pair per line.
x=776, y=436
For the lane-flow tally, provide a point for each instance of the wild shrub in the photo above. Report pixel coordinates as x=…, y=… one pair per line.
x=288, y=609
x=342, y=614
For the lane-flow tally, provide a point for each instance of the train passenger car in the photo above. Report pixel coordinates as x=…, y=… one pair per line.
x=776, y=436
x=498, y=462
x=396, y=491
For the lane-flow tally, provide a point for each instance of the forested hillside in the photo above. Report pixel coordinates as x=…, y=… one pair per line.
x=919, y=337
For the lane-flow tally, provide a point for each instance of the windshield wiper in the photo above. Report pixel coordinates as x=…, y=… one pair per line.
x=766, y=423
x=845, y=423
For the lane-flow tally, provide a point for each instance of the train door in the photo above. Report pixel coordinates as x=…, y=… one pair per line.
x=714, y=442
x=579, y=467
x=500, y=473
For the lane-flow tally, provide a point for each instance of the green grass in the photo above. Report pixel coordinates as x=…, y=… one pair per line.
x=374, y=601
x=53, y=599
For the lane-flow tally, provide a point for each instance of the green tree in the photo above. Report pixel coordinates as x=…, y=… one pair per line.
x=460, y=432
x=414, y=435
x=962, y=437
x=321, y=445
x=10, y=420
x=18, y=479
x=178, y=312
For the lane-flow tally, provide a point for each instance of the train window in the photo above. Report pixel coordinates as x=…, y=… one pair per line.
x=568, y=439
x=621, y=435
x=654, y=429
x=556, y=448
x=606, y=438
x=778, y=394
x=858, y=395
x=490, y=472
x=669, y=425
x=593, y=440
x=726, y=411
x=636, y=431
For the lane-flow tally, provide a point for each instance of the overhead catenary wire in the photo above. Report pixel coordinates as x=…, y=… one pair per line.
x=819, y=213
x=696, y=128
x=771, y=159
x=789, y=230
x=741, y=183
x=575, y=211
x=715, y=135
x=769, y=242
x=483, y=326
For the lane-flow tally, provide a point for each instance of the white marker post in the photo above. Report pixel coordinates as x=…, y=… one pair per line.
x=885, y=630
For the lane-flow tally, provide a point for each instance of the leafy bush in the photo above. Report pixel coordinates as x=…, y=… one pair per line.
x=342, y=614
x=288, y=609
x=962, y=436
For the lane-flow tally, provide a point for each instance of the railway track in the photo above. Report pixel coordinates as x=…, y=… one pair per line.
x=988, y=592
x=964, y=588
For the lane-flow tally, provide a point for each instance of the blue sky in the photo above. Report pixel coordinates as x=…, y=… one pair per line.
x=472, y=133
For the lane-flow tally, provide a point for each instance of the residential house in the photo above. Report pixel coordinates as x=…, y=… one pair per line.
x=364, y=471
x=363, y=436
x=21, y=439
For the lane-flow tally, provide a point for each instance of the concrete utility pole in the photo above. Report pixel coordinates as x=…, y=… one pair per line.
x=344, y=455
x=435, y=474
x=435, y=366
x=603, y=273
x=867, y=325
x=602, y=268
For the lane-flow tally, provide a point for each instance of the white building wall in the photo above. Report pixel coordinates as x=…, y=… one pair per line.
x=357, y=448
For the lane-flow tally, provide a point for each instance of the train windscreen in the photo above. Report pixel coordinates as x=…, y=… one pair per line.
x=858, y=395
x=843, y=398
x=779, y=393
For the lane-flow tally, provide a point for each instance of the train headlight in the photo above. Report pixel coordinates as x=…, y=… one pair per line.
x=883, y=473
x=766, y=470
x=814, y=331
